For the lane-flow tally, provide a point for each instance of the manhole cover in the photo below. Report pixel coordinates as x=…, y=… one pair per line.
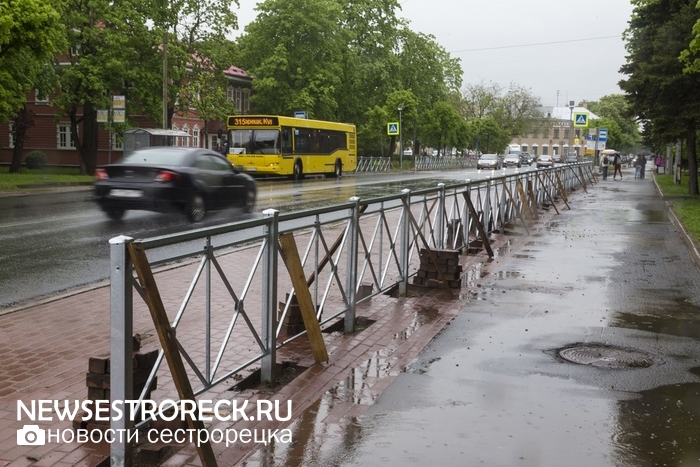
x=605, y=356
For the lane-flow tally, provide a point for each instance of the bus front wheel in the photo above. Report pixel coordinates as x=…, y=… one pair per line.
x=298, y=171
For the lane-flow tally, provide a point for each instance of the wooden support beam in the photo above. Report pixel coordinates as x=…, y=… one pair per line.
x=523, y=198
x=512, y=200
x=547, y=191
x=290, y=255
x=478, y=224
x=582, y=179
x=562, y=191
x=169, y=343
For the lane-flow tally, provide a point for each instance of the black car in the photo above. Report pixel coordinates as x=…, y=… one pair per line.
x=165, y=179
x=525, y=158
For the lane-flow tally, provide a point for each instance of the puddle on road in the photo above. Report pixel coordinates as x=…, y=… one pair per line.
x=683, y=319
x=660, y=427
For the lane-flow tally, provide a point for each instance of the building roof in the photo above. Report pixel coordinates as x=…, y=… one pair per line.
x=564, y=113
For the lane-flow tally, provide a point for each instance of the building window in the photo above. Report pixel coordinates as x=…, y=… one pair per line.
x=117, y=142
x=556, y=133
x=186, y=129
x=239, y=102
x=566, y=133
x=229, y=93
x=39, y=98
x=545, y=134
x=195, y=137
x=11, y=142
x=246, y=101
x=64, y=137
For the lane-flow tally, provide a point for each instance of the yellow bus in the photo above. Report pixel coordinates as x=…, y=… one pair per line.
x=294, y=147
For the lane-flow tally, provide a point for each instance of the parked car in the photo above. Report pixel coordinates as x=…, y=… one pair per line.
x=526, y=158
x=571, y=158
x=512, y=160
x=556, y=158
x=489, y=161
x=164, y=179
x=545, y=160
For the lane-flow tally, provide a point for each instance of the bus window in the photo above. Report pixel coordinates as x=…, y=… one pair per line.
x=240, y=141
x=267, y=141
x=287, y=140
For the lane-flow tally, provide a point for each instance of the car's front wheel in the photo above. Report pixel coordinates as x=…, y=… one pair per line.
x=196, y=208
x=115, y=213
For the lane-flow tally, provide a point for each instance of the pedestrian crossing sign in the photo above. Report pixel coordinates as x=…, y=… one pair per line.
x=392, y=129
x=581, y=119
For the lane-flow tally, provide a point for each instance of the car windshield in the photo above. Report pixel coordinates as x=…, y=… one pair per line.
x=488, y=157
x=160, y=156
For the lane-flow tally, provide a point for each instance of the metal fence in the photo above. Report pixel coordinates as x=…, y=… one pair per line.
x=234, y=312
x=383, y=164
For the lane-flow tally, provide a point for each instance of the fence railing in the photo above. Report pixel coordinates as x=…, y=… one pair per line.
x=383, y=164
x=237, y=309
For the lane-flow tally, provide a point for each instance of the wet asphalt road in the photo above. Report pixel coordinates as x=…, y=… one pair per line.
x=58, y=241
x=492, y=389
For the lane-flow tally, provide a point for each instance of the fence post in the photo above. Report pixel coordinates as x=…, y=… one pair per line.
x=465, y=214
x=405, y=243
x=269, y=296
x=440, y=223
x=487, y=206
x=351, y=285
x=121, y=346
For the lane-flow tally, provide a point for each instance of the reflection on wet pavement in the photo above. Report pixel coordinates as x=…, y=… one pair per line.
x=660, y=427
x=327, y=432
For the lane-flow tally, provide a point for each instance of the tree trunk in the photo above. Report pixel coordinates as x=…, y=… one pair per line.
x=692, y=162
x=87, y=145
x=23, y=121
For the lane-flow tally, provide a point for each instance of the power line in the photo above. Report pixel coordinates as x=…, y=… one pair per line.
x=536, y=44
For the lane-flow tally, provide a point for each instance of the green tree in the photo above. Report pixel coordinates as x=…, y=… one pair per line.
x=118, y=47
x=486, y=136
x=660, y=94
x=443, y=127
x=516, y=110
x=294, y=50
x=31, y=33
x=616, y=107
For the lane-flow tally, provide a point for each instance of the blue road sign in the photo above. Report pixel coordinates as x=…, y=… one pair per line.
x=580, y=119
x=603, y=135
x=392, y=129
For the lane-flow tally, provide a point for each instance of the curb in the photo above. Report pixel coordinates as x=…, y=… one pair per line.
x=688, y=238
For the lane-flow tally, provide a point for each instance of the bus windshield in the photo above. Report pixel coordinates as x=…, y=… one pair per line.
x=254, y=142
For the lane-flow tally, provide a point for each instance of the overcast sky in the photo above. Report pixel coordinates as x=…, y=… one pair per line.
x=560, y=50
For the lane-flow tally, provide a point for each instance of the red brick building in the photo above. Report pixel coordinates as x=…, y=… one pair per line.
x=51, y=134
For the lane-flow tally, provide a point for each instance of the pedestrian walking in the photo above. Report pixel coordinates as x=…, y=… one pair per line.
x=643, y=161
x=617, y=163
x=659, y=162
x=605, y=164
x=638, y=167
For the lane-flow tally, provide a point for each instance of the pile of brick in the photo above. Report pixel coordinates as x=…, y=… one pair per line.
x=440, y=271
x=293, y=322
x=98, y=384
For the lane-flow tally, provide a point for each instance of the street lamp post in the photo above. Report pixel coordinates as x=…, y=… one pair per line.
x=571, y=129
x=400, y=108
